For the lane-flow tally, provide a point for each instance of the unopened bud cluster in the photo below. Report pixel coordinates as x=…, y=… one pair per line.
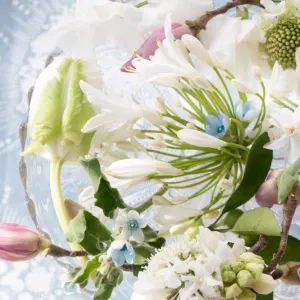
x=282, y=40
x=109, y=273
x=239, y=276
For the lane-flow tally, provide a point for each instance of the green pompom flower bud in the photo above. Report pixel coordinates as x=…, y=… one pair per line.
x=115, y=276
x=225, y=267
x=237, y=266
x=282, y=40
x=249, y=257
x=255, y=269
x=59, y=109
x=244, y=278
x=247, y=294
x=228, y=276
x=233, y=291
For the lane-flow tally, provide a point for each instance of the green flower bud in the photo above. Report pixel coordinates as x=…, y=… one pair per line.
x=228, y=276
x=59, y=109
x=237, y=266
x=233, y=291
x=247, y=294
x=255, y=269
x=244, y=278
x=115, y=276
x=225, y=267
x=249, y=257
x=105, y=267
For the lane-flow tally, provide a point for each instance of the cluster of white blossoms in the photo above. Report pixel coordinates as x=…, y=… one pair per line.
x=205, y=267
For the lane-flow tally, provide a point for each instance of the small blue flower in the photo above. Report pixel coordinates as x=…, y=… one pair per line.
x=217, y=125
x=245, y=112
x=131, y=223
x=121, y=251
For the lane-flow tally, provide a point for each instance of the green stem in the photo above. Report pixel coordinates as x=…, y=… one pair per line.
x=141, y=4
x=233, y=145
x=149, y=202
x=59, y=203
x=242, y=130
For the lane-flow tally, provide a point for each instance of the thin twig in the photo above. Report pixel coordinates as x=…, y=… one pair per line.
x=61, y=252
x=277, y=274
x=202, y=21
x=289, y=209
x=127, y=268
x=260, y=245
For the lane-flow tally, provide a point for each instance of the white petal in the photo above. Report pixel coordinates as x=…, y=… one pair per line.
x=278, y=144
x=197, y=48
x=138, y=236
x=198, y=138
x=264, y=285
x=241, y=86
x=86, y=195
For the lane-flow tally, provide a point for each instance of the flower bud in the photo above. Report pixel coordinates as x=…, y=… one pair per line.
x=244, y=278
x=237, y=266
x=233, y=291
x=228, y=276
x=160, y=104
x=240, y=86
x=178, y=200
x=18, y=242
x=105, y=267
x=225, y=184
x=115, y=276
x=249, y=257
x=181, y=227
x=267, y=194
x=149, y=47
x=247, y=294
x=264, y=285
x=255, y=269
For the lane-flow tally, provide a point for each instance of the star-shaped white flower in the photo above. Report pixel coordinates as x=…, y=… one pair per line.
x=131, y=223
x=286, y=134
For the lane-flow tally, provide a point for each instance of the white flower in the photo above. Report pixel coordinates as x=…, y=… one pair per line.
x=87, y=200
x=170, y=63
x=287, y=133
x=155, y=11
x=134, y=168
x=190, y=265
x=200, y=139
x=131, y=223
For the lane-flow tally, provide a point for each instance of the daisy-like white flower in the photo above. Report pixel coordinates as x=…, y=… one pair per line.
x=121, y=251
x=286, y=134
x=132, y=225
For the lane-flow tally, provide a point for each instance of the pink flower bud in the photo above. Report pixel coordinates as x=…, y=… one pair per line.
x=18, y=242
x=267, y=194
x=149, y=47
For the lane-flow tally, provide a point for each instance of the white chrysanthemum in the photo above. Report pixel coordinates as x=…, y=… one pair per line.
x=187, y=267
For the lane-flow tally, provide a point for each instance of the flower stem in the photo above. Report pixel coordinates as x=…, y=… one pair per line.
x=149, y=202
x=141, y=4
x=59, y=203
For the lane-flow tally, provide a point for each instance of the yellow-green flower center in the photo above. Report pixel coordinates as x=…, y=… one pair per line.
x=282, y=40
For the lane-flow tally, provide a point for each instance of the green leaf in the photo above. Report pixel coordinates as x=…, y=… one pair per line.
x=142, y=252
x=136, y=269
x=104, y=293
x=256, y=222
x=287, y=180
x=107, y=198
x=242, y=13
x=291, y=254
x=88, y=231
x=152, y=238
x=265, y=297
x=84, y=273
x=257, y=168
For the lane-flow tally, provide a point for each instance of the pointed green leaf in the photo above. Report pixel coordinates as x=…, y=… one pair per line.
x=88, y=231
x=152, y=238
x=107, y=197
x=105, y=292
x=142, y=252
x=287, y=180
x=257, y=168
x=256, y=222
x=84, y=273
